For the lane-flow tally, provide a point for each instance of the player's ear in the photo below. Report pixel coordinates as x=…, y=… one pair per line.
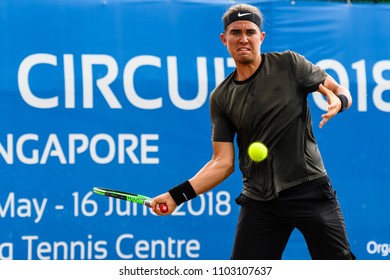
x=262, y=36
x=223, y=38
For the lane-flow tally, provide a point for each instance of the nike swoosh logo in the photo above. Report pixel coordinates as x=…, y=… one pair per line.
x=244, y=14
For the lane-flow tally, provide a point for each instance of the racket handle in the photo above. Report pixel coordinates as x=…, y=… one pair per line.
x=163, y=206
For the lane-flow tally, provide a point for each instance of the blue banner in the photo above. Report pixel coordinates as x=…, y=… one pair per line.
x=115, y=94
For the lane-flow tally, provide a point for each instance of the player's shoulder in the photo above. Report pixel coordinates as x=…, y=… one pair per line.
x=288, y=57
x=223, y=86
x=283, y=55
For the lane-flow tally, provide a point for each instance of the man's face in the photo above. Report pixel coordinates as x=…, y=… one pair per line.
x=243, y=40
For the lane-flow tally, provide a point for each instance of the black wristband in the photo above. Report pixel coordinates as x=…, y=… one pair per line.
x=344, y=102
x=182, y=193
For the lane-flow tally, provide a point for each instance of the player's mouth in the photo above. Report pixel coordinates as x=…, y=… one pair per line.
x=243, y=50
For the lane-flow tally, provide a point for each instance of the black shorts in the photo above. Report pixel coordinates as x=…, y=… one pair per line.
x=264, y=227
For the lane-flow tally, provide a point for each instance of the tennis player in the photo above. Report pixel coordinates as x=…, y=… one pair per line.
x=265, y=99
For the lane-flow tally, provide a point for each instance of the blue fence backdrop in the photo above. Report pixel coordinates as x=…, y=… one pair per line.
x=115, y=94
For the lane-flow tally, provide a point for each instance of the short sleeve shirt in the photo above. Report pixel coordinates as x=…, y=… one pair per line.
x=271, y=107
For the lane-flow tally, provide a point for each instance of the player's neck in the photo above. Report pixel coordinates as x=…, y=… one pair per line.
x=246, y=70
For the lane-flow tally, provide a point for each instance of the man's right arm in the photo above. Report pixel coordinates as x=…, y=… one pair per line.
x=213, y=173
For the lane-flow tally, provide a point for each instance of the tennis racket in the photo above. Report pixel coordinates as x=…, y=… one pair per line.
x=136, y=198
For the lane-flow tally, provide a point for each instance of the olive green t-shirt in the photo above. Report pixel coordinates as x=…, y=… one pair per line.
x=271, y=107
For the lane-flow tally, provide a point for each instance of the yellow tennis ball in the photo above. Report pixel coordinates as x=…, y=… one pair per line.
x=257, y=151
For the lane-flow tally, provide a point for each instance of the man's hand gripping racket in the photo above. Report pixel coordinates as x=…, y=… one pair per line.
x=136, y=198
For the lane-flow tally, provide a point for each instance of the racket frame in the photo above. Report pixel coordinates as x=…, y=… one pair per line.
x=132, y=197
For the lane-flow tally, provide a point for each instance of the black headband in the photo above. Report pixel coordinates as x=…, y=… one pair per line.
x=242, y=15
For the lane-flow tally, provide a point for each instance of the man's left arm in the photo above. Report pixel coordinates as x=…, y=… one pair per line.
x=338, y=97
